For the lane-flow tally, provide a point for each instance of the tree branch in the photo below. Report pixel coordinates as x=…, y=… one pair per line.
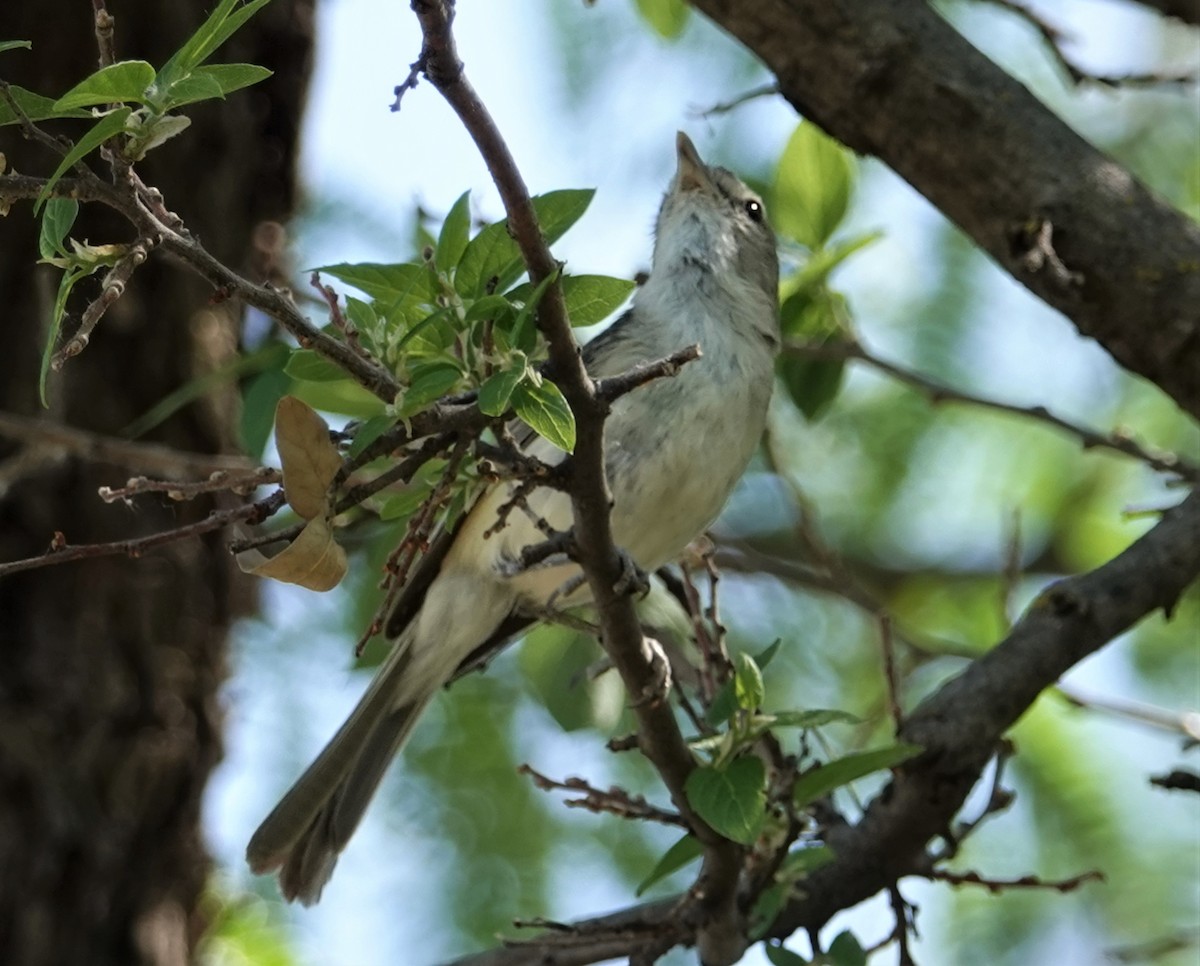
x=959, y=726
x=886, y=77
x=659, y=736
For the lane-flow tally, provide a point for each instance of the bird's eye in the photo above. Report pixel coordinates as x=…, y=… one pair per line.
x=754, y=209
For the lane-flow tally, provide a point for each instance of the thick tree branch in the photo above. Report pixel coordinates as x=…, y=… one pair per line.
x=959, y=726
x=888, y=77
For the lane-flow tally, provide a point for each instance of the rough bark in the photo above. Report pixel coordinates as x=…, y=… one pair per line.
x=109, y=669
x=890, y=78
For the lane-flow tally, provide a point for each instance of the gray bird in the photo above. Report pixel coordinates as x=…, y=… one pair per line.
x=674, y=449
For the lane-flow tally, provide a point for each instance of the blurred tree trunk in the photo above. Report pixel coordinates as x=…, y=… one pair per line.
x=109, y=670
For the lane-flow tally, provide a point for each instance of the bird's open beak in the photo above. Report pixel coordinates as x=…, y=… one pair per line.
x=691, y=173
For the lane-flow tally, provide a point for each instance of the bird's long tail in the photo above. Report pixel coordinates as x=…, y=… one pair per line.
x=307, y=830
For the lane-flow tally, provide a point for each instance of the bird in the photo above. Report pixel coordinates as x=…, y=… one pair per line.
x=674, y=450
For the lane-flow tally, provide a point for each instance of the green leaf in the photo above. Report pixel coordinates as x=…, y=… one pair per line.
x=221, y=24
x=35, y=106
x=748, y=683
x=767, y=654
x=495, y=307
x=846, y=950
x=730, y=799
x=311, y=366
x=800, y=862
x=108, y=126
x=343, y=396
x=404, y=282
x=14, y=44
x=814, y=718
x=667, y=17
x=368, y=432
x=824, y=779
x=497, y=390
x=724, y=704
x=546, y=412
x=125, y=80
x=812, y=186
x=493, y=253
x=427, y=382
x=57, y=218
x=522, y=320
x=815, y=317
x=592, y=298
x=452, y=241
x=686, y=850
x=780, y=956
x=213, y=80
x=260, y=395
x=66, y=283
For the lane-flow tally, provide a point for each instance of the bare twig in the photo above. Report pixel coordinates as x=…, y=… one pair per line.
x=1055, y=37
x=937, y=393
x=1024, y=882
x=1184, y=723
x=725, y=107
x=62, y=552
x=220, y=481
x=615, y=801
x=105, y=25
x=1178, y=780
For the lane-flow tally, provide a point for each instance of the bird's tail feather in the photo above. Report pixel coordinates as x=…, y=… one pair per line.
x=314, y=820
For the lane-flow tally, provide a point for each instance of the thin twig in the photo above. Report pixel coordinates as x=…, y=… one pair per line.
x=615, y=801
x=111, y=289
x=937, y=393
x=220, y=481
x=63, y=552
x=1055, y=37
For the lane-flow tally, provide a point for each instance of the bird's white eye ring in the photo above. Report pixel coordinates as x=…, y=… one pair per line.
x=754, y=209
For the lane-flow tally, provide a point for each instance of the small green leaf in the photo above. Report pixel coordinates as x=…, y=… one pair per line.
x=846, y=950
x=824, y=779
x=427, y=382
x=452, y=241
x=35, y=106
x=108, y=126
x=495, y=307
x=730, y=799
x=310, y=366
x=780, y=956
x=592, y=298
x=220, y=25
x=766, y=909
x=686, y=850
x=666, y=17
x=260, y=395
x=724, y=704
x=66, y=283
x=213, y=80
x=492, y=254
x=368, y=432
x=546, y=412
x=401, y=505
x=748, y=683
x=815, y=317
x=812, y=186
x=814, y=718
x=14, y=44
x=767, y=654
x=522, y=321
x=57, y=218
x=497, y=390
x=800, y=862
x=125, y=80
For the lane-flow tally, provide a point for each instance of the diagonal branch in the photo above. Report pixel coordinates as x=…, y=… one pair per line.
x=887, y=77
x=959, y=726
